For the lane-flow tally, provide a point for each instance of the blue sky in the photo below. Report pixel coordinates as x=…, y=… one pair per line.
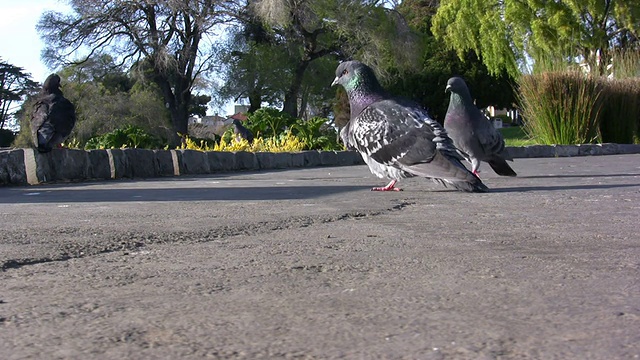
x=20, y=44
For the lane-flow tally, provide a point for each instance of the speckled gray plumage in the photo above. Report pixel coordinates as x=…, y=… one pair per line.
x=396, y=137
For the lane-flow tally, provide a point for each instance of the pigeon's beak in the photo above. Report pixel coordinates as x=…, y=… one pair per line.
x=335, y=81
x=447, y=89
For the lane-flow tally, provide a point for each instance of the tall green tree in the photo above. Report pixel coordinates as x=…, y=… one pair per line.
x=504, y=32
x=426, y=83
x=254, y=65
x=169, y=38
x=15, y=85
x=314, y=29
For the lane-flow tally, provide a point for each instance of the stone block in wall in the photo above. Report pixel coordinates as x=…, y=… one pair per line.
x=164, y=162
x=270, y=160
x=142, y=162
x=347, y=158
x=281, y=160
x=120, y=166
x=265, y=160
x=328, y=158
x=298, y=159
x=99, y=167
x=12, y=167
x=539, y=151
x=246, y=160
x=193, y=162
x=62, y=164
x=628, y=148
x=517, y=152
x=589, y=149
x=221, y=161
x=609, y=149
x=565, y=150
x=311, y=158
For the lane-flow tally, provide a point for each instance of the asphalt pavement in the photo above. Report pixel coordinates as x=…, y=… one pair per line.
x=308, y=263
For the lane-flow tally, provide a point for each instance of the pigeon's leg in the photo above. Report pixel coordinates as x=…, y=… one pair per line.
x=390, y=187
x=475, y=167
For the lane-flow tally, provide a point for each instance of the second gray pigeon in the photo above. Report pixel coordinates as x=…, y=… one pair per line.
x=472, y=133
x=396, y=137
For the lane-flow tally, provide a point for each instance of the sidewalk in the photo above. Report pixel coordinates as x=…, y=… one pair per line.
x=309, y=263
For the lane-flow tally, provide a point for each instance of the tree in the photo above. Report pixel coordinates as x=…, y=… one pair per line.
x=504, y=32
x=313, y=29
x=439, y=63
x=254, y=65
x=15, y=84
x=164, y=37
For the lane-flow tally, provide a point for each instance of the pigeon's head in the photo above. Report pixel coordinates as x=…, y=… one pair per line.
x=354, y=74
x=457, y=85
x=52, y=84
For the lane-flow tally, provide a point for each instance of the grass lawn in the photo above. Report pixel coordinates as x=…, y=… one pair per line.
x=516, y=136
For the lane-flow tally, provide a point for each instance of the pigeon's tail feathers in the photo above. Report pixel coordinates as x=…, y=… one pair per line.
x=500, y=166
x=449, y=172
x=467, y=186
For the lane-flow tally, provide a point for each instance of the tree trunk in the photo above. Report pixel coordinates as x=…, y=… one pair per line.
x=178, y=105
x=255, y=101
x=291, y=95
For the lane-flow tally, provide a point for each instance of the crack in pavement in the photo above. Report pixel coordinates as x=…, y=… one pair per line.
x=127, y=241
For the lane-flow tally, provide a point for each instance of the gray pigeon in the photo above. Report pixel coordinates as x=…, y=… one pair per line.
x=53, y=116
x=472, y=132
x=396, y=137
x=242, y=131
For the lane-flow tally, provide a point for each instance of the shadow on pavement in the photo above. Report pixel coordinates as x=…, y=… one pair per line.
x=560, y=187
x=34, y=195
x=577, y=176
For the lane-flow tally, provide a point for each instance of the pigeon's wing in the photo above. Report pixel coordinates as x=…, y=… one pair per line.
x=490, y=139
x=63, y=116
x=406, y=137
x=39, y=116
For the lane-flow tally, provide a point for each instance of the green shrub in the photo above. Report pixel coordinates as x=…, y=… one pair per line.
x=317, y=134
x=268, y=122
x=130, y=136
x=561, y=107
x=620, y=117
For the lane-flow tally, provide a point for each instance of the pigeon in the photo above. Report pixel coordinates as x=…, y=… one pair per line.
x=53, y=116
x=396, y=137
x=242, y=131
x=472, y=133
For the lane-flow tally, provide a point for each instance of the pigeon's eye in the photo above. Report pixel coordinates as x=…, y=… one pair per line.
x=344, y=72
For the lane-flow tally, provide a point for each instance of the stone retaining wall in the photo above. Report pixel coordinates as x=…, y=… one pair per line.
x=27, y=166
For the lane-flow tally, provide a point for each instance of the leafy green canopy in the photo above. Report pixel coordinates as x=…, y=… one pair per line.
x=505, y=32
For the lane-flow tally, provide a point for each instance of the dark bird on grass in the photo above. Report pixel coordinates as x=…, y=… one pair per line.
x=242, y=131
x=396, y=137
x=53, y=116
x=472, y=133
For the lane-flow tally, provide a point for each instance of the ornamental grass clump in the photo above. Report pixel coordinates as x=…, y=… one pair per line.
x=620, y=117
x=561, y=107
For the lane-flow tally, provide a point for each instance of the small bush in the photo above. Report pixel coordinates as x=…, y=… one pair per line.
x=561, y=107
x=620, y=117
x=269, y=122
x=128, y=137
x=317, y=134
x=285, y=142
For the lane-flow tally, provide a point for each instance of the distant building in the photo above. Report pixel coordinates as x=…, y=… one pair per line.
x=207, y=126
